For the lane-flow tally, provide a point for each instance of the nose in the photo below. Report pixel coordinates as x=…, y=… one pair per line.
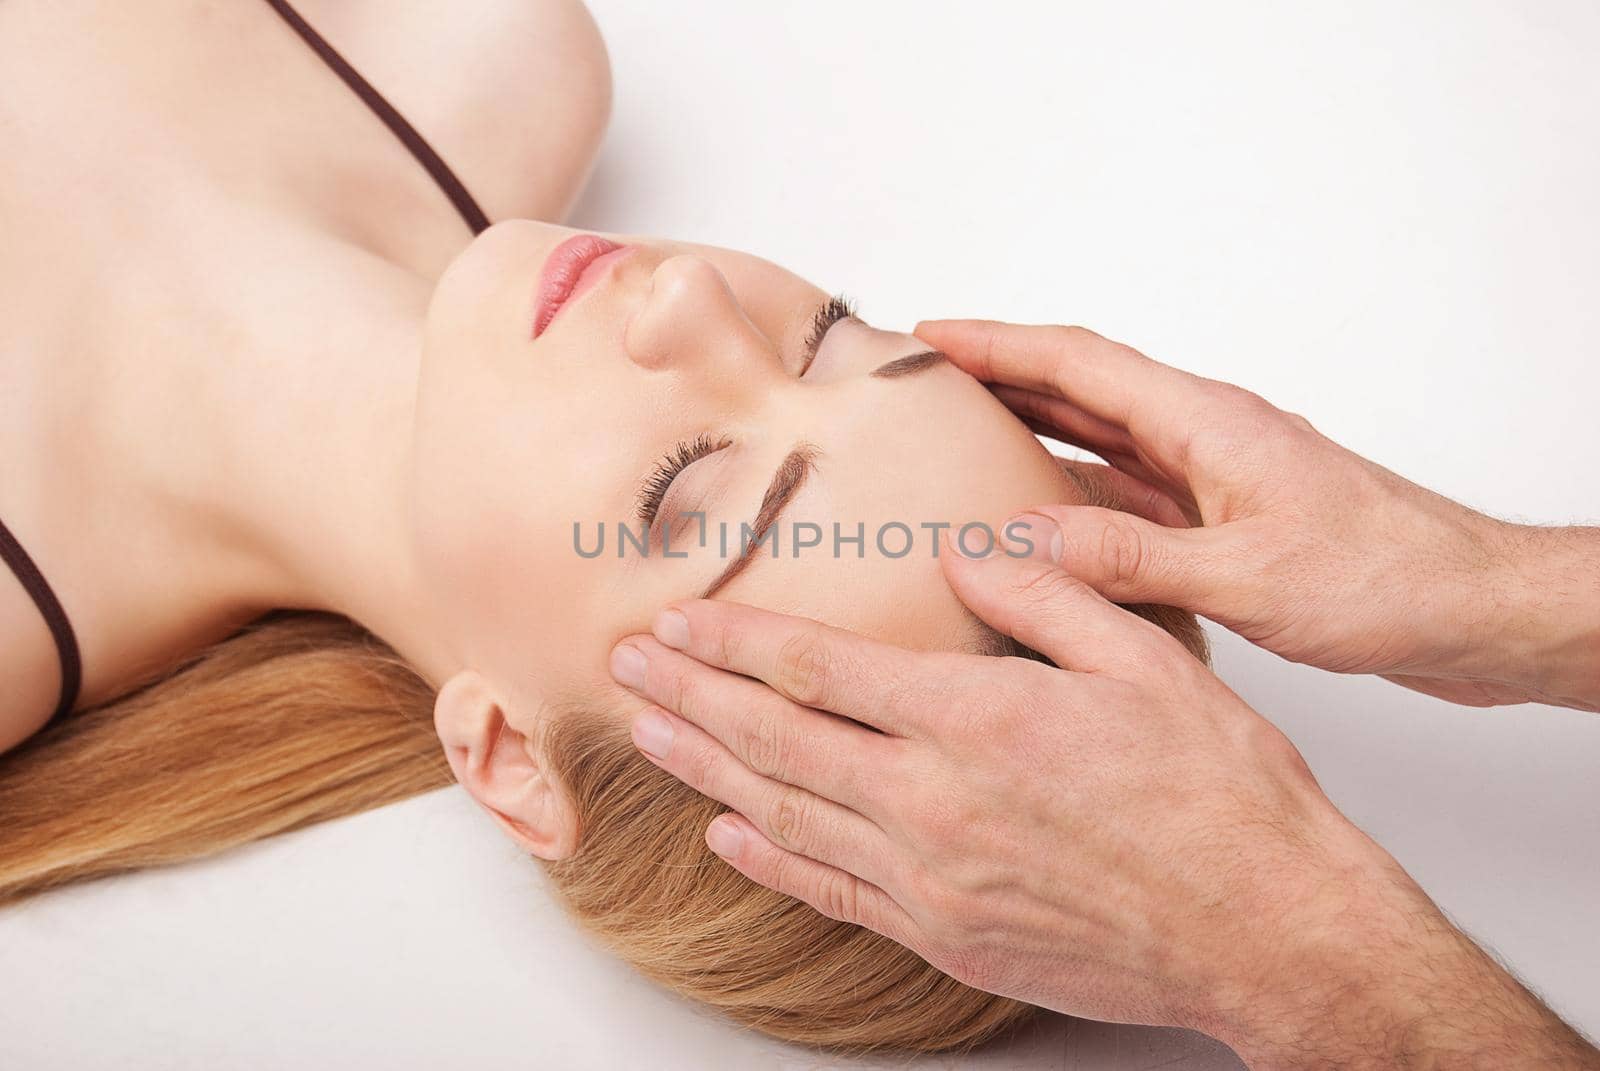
x=691, y=322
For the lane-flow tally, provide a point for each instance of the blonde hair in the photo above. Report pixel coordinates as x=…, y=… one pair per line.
x=297, y=719
x=306, y=717
x=644, y=881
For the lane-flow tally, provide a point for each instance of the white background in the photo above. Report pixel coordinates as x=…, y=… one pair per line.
x=1381, y=216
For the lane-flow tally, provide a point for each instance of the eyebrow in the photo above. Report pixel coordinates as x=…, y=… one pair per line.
x=786, y=483
x=792, y=473
x=905, y=366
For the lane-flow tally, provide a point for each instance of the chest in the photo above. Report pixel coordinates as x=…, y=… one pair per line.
x=185, y=181
x=160, y=141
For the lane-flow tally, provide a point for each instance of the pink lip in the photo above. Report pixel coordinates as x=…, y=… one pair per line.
x=573, y=267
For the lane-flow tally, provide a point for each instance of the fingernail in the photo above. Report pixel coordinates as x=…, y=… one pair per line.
x=652, y=733
x=1032, y=535
x=724, y=838
x=975, y=547
x=627, y=666
x=672, y=629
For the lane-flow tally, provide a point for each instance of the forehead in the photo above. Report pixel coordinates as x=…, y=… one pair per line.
x=884, y=476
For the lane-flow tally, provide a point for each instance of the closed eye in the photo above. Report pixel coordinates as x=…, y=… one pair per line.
x=654, y=489
x=839, y=308
x=831, y=312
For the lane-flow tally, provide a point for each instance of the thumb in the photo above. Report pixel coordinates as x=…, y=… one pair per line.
x=1130, y=559
x=1042, y=606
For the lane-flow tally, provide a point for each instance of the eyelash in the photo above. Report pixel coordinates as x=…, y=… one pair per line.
x=837, y=308
x=654, y=490
x=667, y=469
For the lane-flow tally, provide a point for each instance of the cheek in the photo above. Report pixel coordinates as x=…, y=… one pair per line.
x=544, y=630
x=495, y=499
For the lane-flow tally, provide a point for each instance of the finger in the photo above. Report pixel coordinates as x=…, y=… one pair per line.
x=1042, y=606
x=778, y=739
x=1064, y=421
x=1112, y=382
x=1129, y=559
x=792, y=818
x=835, y=893
x=1104, y=378
x=812, y=664
x=1105, y=486
x=1133, y=467
x=1176, y=494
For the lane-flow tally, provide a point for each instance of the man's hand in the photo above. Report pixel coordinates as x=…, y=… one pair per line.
x=1121, y=837
x=1298, y=544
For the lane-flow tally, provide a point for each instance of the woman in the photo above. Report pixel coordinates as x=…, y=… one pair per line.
x=343, y=473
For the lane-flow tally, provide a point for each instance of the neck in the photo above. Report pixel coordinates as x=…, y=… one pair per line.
x=281, y=477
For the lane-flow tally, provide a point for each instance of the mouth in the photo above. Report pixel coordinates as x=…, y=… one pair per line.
x=574, y=267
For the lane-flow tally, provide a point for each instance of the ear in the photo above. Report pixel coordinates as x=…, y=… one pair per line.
x=502, y=767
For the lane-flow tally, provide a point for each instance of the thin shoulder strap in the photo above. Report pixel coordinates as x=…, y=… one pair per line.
x=413, y=141
x=55, y=617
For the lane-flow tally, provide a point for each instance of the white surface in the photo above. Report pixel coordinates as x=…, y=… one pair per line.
x=1380, y=216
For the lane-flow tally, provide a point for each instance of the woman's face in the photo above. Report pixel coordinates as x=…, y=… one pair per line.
x=686, y=353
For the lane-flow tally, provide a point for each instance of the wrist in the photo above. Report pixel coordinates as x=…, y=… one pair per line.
x=1336, y=942
x=1544, y=637
x=1362, y=970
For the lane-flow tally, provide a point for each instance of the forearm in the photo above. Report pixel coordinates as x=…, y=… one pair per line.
x=1374, y=976
x=1546, y=636
x=1438, y=1002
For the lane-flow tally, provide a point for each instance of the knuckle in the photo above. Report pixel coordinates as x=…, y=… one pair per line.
x=789, y=821
x=765, y=745
x=988, y=337
x=1065, y=340
x=726, y=641
x=684, y=692
x=1045, y=586
x=786, y=873
x=699, y=768
x=839, y=898
x=803, y=667
x=1240, y=399
x=1075, y=335
x=1255, y=416
x=1273, y=748
x=1122, y=554
x=1298, y=423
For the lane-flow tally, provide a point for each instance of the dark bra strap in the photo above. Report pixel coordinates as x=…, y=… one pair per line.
x=34, y=584
x=396, y=122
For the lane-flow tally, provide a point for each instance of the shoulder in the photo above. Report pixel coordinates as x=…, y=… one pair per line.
x=27, y=665
x=514, y=94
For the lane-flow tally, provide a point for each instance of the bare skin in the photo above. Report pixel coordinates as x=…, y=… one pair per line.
x=247, y=390
x=1166, y=856
x=182, y=181
x=1298, y=545
x=211, y=246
